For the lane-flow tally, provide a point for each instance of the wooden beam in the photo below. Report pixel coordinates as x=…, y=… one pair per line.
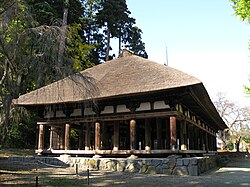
x=114, y=117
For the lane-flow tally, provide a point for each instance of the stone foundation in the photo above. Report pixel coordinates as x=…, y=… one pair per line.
x=172, y=165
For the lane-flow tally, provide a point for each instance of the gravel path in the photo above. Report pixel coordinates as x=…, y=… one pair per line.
x=235, y=174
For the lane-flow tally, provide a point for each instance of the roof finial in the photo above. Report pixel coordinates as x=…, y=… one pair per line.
x=125, y=53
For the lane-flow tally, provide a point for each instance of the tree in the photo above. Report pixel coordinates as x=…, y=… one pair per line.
x=114, y=18
x=28, y=56
x=242, y=9
x=237, y=119
x=133, y=41
x=91, y=32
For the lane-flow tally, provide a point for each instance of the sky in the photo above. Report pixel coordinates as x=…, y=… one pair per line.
x=203, y=38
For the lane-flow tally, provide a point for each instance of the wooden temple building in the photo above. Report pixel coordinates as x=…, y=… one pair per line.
x=125, y=106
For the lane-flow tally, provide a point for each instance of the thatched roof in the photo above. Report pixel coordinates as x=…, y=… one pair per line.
x=123, y=76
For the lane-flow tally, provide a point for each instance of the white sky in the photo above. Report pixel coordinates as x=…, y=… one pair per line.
x=203, y=38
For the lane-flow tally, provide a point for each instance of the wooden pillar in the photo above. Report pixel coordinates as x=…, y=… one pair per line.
x=51, y=137
x=183, y=138
x=116, y=137
x=203, y=147
x=159, y=133
x=54, y=139
x=147, y=135
x=80, y=140
x=41, y=137
x=97, y=136
x=132, y=134
x=67, y=135
x=87, y=137
x=206, y=141
x=173, y=134
x=104, y=136
x=167, y=134
x=195, y=138
x=190, y=137
x=62, y=138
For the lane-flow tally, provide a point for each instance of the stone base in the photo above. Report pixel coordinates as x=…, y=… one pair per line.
x=172, y=165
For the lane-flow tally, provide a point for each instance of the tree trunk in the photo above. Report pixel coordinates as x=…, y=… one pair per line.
x=62, y=38
x=238, y=145
x=5, y=117
x=108, y=44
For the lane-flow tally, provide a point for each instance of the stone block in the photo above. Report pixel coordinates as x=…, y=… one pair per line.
x=193, y=170
x=165, y=161
x=143, y=169
x=121, y=166
x=165, y=166
x=193, y=161
x=172, y=163
x=111, y=165
x=186, y=161
x=159, y=169
x=179, y=162
x=156, y=162
x=167, y=171
x=131, y=167
x=151, y=170
x=180, y=170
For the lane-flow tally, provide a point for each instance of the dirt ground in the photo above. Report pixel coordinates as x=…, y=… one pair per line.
x=236, y=173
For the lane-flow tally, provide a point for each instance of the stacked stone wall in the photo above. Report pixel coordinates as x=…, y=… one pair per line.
x=172, y=165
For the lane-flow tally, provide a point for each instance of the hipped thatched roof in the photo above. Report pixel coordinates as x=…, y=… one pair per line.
x=123, y=76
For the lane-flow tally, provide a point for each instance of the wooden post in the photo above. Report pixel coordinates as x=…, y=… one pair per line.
x=191, y=137
x=116, y=137
x=67, y=133
x=104, y=137
x=132, y=134
x=80, y=140
x=183, y=138
x=147, y=135
x=97, y=136
x=173, y=132
x=41, y=137
x=87, y=137
x=62, y=138
x=159, y=133
x=51, y=137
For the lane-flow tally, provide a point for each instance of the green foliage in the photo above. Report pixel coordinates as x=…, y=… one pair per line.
x=22, y=132
x=230, y=146
x=242, y=9
x=114, y=18
x=134, y=42
x=77, y=50
x=30, y=38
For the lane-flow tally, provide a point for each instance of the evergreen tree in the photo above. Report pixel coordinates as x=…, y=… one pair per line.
x=134, y=42
x=91, y=33
x=112, y=17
